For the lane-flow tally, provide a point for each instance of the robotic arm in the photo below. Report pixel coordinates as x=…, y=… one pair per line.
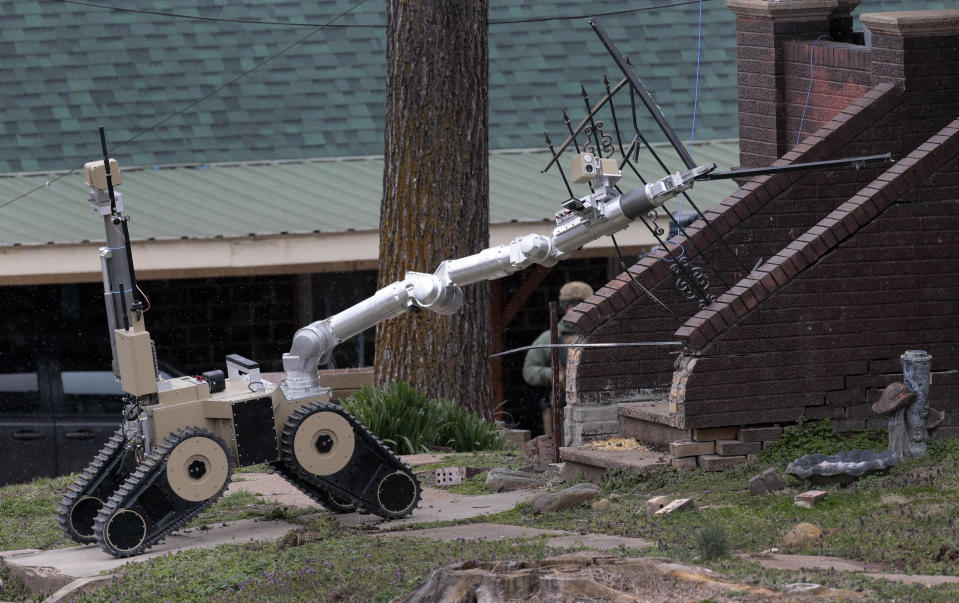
x=604, y=212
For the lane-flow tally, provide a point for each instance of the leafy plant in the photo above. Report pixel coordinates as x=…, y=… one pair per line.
x=713, y=541
x=812, y=437
x=621, y=481
x=409, y=422
x=463, y=431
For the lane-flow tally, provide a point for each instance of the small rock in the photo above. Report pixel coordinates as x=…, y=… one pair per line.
x=680, y=504
x=773, y=483
x=802, y=533
x=501, y=478
x=564, y=499
x=655, y=504
x=766, y=482
x=538, y=452
x=809, y=499
x=605, y=504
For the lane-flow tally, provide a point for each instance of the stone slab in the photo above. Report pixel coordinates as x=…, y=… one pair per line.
x=680, y=504
x=653, y=433
x=636, y=460
x=809, y=499
x=713, y=462
x=592, y=412
x=435, y=504
x=736, y=447
x=653, y=411
x=760, y=434
x=913, y=22
x=684, y=463
x=714, y=433
x=691, y=448
x=495, y=531
x=441, y=505
x=799, y=562
x=86, y=561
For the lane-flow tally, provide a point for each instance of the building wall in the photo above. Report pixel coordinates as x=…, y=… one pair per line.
x=827, y=342
x=755, y=223
x=903, y=98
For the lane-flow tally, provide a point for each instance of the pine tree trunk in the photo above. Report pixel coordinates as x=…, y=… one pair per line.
x=436, y=193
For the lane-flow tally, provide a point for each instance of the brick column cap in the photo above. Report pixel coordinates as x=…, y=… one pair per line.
x=913, y=22
x=783, y=10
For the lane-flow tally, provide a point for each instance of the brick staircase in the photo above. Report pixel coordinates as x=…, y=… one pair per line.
x=650, y=422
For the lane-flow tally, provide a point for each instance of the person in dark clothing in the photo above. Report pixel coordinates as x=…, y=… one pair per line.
x=537, y=370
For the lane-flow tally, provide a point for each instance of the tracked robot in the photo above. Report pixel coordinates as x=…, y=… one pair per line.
x=182, y=438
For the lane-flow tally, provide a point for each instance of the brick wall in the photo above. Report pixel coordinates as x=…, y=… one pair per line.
x=818, y=329
x=841, y=73
x=756, y=222
x=761, y=75
x=786, y=217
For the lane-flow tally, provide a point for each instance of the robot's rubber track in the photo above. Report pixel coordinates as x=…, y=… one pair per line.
x=148, y=494
x=96, y=484
x=316, y=493
x=375, y=479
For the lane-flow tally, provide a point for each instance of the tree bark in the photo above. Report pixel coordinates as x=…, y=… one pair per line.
x=436, y=192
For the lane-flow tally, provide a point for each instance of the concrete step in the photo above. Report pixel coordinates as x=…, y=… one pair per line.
x=62, y=571
x=650, y=421
x=592, y=463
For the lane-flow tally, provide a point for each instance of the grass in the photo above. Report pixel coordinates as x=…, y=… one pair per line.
x=905, y=521
x=333, y=563
x=409, y=422
x=28, y=514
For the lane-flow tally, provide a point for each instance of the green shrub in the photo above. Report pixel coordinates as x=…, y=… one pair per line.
x=409, y=422
x=713, y=541
x=819, y=437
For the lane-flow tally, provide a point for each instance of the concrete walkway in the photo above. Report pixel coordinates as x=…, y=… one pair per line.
x=497, y=531
x=435, y=505
x=57, y=569
x=801, y=562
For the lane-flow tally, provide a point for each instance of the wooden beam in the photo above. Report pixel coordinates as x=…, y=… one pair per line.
x=531, y=280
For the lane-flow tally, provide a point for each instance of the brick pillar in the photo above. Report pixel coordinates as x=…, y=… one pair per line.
x=918, y=50
x=762, y=27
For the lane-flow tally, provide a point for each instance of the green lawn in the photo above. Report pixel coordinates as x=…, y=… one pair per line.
x=898, y=521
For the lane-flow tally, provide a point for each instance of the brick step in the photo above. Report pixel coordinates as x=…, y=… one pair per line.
x=650, y=421
x=593, y=463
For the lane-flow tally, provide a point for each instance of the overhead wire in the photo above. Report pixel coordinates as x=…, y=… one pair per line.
x=195, y=102
x=692, y=130
x=809, y=89
x=366, y=26
x=318, y=28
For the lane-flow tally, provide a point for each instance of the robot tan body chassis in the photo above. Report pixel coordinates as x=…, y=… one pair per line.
x=181, y=438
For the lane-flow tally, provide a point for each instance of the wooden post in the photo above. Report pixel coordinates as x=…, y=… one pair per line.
x=554, y=371
x=497, y=327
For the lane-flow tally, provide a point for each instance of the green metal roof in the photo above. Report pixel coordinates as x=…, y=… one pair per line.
x=68, y=68
x=314, y=195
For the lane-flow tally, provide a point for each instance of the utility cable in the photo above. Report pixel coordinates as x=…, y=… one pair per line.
x=197, y=101
x=370, y=26
x=692, y=130
x=809, y=89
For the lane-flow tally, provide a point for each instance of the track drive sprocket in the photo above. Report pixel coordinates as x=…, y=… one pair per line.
x=326, y=447
x=180, y=478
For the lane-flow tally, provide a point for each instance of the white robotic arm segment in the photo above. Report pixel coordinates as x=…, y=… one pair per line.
x=497, y=262
x=602, y=213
